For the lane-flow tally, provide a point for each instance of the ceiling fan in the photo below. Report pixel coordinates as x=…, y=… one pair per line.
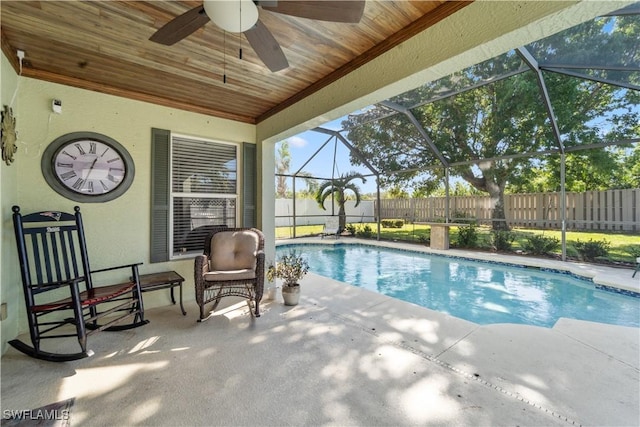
x=241, y=16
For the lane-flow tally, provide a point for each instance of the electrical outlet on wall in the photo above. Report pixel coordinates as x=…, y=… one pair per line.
x=3, y=311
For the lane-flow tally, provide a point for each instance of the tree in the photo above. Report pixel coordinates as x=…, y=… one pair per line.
x=337, y=188
x=311, y=184
x=632, y=166
x=483, y=130
x=396, y=192
x=283, y=161
x=596, y=169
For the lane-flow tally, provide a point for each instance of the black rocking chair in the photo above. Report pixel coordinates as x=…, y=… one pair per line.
x=58, y=285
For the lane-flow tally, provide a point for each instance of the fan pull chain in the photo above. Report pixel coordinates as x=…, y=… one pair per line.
x=224, y=57
x=240, y=35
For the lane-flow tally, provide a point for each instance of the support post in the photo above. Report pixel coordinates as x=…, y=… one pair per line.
x=293, y=187
x=563, y=205
x=446, y=192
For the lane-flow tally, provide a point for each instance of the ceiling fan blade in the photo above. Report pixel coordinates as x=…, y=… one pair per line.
x=266, y=47
x=335, y=11
x=181, y=26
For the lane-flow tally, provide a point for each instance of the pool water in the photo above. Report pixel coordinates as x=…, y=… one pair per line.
x=480, y=292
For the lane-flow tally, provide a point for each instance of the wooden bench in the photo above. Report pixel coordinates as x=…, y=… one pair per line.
x=163, y=280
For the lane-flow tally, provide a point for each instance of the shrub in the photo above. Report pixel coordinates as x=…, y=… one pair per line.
x=572, y=252
x=462, y=218
x=503, y=240
x=634, y=251
x=392, y=223
x=592, y=249
x=468, y=236
x=365, y=232
x=351, y=229
x=541, y=245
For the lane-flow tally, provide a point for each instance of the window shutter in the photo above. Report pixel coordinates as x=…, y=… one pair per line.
x=249, y=193
x=160, y=195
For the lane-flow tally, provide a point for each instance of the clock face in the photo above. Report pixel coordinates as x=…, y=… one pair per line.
x=87, y=167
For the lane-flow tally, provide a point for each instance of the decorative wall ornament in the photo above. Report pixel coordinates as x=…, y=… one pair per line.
x=87, y=167
x=9, y=135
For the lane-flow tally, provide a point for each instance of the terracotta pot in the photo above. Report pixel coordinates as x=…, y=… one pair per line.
x=291, y=294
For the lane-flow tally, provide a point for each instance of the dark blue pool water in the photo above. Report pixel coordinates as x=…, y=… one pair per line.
x=480, y=292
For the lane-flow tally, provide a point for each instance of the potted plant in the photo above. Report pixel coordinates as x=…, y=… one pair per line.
x=291, y=268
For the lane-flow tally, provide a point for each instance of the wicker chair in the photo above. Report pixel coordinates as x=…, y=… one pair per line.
x=232, y=265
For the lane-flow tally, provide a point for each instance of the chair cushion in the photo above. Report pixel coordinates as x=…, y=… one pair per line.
x=223, y=276
x=233, y=250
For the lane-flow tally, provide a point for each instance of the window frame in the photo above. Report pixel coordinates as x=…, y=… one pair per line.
x=161, y=219
x=173, y=195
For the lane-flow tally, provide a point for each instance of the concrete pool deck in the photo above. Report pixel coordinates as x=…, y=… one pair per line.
x=343, y=356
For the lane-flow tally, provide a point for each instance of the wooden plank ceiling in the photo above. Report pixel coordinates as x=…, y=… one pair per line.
x=104, y=46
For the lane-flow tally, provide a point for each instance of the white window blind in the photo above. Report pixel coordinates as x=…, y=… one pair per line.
x=204, y=190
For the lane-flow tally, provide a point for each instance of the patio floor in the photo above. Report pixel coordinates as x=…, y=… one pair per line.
x=343, y=356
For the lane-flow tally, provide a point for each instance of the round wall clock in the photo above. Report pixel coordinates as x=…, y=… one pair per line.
x=87, y=167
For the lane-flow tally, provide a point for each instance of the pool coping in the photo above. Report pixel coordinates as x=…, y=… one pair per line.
x=610, y=279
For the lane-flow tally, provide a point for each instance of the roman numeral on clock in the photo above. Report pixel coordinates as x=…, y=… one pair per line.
x=67, y=154
x=78, y=184
x=68, y=175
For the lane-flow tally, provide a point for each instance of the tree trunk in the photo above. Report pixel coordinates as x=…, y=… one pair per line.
x=342, y=218
x=495, y=190
x=496, y=195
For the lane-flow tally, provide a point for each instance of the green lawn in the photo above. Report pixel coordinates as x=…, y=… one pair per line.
x=621, y=244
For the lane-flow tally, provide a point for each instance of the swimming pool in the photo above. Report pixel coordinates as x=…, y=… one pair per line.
x=480, y=292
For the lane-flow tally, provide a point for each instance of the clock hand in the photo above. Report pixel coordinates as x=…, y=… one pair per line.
x=86, y=179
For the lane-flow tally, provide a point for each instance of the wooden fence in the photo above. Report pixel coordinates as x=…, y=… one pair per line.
x=592, y=210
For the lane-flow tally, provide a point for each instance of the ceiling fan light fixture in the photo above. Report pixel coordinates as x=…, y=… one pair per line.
x=234, y=16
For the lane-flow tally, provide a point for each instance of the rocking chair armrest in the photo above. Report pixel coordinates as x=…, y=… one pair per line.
x=200, y=268
x=260, y=259
x=135, y=265
x=201, y=264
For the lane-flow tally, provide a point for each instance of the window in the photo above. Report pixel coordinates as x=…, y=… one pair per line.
x=194, y=188
x=204, y=190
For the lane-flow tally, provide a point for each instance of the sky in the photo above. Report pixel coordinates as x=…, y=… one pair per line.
x=303, y=146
